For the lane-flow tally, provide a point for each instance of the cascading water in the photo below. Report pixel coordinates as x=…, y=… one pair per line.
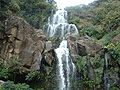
x=106, y=73
x=58, y=27
x=66, y=67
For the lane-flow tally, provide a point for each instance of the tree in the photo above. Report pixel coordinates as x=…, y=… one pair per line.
x=35, y=12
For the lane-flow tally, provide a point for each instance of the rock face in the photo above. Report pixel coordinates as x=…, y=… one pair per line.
x=91, y=46
x=22, y=41
x=83, y=46
x=116, y=39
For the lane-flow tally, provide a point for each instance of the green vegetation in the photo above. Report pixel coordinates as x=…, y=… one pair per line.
x=9, y=85
x=108, y=37
x=35, y=12
x=114, y=50
x=84, y=81
x=8, y=71
x=97, y=19
x=13, y=70
x=101, y=21
x=7, y=8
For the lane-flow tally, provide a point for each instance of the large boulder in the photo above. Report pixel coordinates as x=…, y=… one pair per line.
x=24, y=42
x=91, y=47
x=116, y=39
x=49, y=54
x=83, y=46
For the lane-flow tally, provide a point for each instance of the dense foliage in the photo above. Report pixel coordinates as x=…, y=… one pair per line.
x=101, y=21
x=35, y=12
x=16, y=73
x=9, y=85
x=7, y=8
x=97, y=19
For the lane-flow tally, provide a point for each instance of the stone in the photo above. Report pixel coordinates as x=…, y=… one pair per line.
x=71, y=37
x=48, y=46
x=81, y=50
x=24, y=42
x=88, y=46
x=116, y=39
x=83, y=46
x=37, y=61
x=49, y=56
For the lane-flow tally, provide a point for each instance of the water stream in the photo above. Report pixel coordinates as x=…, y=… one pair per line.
x=106, y=73
x=58, y=27
x=66, y=68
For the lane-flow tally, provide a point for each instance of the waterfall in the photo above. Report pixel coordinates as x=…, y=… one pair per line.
x=106, y=73
x=66, y=67
x=58, y=27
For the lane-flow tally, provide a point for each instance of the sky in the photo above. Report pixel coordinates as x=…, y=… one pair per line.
x=65, y=3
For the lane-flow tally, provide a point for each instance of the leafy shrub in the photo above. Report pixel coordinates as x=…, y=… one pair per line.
x=4, y=72
x=9, y=69
x=107, y=15
x=74, y=21
x=35, y=12
x=7, y=8
x=33, y=75
x=97, y=64
x=107, y=38
x=9, y=85
x=92, y=31
x=14, y=7
x=114, y=50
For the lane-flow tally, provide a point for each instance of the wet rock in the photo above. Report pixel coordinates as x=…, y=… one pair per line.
x=48, y=46
x=49, y=53
x=49, y=57
x=71, y=37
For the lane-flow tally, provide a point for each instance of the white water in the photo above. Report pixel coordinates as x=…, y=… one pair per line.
x=66, y=67
x=58, y=27
x=106, y=73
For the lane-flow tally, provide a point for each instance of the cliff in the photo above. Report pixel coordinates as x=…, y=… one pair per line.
x=20, y=40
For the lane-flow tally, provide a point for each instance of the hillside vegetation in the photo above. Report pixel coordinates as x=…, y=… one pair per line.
x=35, y=12
x=97, y=19
x=99, y=28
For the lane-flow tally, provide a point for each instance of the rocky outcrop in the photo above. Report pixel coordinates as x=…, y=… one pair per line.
x=49, y=53
x=116, y=39
x=90, y=45
x=83, y=46
x=22, y=41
